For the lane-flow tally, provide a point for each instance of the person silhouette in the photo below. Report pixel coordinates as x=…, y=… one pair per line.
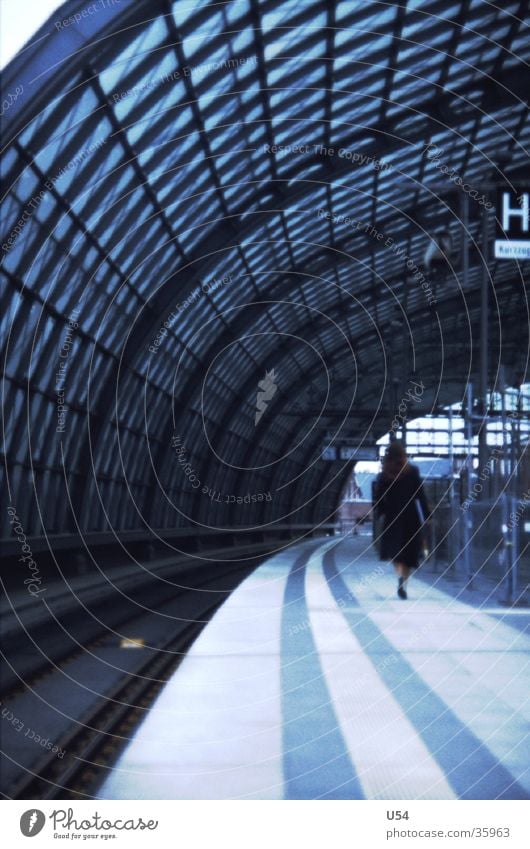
x=401, y=501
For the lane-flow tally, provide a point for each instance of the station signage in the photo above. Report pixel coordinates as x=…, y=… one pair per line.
x=350, y=452
x=355, y=452
x=512, y=236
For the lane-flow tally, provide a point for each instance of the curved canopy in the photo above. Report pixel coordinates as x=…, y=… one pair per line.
x=216, y=234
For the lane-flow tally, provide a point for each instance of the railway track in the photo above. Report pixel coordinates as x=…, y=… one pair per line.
x=108, y=705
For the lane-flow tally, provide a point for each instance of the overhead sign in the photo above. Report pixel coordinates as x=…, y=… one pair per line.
x=512, y=238
x=352, y=452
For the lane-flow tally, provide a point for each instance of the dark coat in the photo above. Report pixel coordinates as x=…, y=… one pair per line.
x=403, y=506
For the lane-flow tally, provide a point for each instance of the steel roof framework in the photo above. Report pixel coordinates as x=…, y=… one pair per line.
x=154, y=135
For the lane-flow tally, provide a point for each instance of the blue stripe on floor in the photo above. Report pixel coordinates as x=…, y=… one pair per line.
x=517, y=621
x=469, y=766
x=316, y=760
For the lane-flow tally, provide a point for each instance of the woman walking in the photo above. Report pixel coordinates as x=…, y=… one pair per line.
x=400, y=500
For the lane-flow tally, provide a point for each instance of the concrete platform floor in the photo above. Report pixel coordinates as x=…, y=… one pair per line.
x=315, y=681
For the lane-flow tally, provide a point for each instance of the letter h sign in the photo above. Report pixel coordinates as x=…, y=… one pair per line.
x=519, y=211
x=512, y=237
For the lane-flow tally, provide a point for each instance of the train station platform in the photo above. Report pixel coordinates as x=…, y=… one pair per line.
x=314, y=681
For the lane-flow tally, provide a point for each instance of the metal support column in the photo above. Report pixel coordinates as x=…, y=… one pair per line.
x=506, y=553
x=452, y=548
x=467, y=518
x=514, y=499
x=483, y=382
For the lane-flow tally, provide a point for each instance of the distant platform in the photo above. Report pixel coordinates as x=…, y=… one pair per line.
x=314, y=681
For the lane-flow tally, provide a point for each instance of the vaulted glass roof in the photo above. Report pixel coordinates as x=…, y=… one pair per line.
x=198, y=194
